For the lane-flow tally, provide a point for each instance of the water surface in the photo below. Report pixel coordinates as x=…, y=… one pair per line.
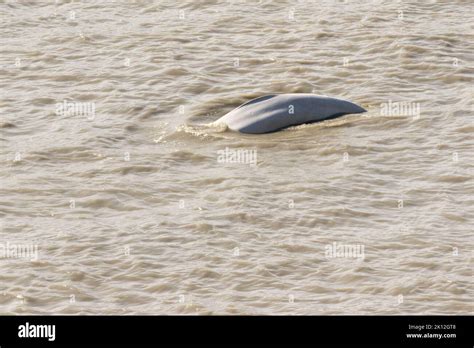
x=131, y=210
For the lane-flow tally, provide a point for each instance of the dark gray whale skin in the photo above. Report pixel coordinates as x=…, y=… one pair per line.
x=274, y=112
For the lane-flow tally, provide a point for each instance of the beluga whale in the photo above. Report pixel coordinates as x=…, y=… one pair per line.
x=271, y=113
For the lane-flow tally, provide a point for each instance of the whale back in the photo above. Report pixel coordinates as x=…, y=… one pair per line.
x=257, y=100
x=270, y=113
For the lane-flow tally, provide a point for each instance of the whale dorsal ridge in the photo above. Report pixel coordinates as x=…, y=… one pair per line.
x=256, y=100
